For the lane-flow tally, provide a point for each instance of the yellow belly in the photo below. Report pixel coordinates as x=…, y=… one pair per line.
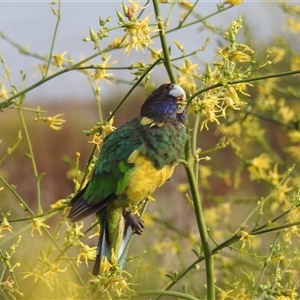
x=145, y=178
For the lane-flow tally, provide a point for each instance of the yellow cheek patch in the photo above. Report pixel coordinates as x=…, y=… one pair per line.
x=148, y=121
x=145, y=178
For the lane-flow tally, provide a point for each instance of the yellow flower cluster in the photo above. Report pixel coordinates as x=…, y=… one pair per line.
x=259, y=166
x=214, y=106
x=4, y=93
x=101, y=71
x=110, y=278
x=86, y=253
x=226, y=68
x=5, y=226
x=104, y=129
x=186, y=76
x=38, y=224
x=138, y=32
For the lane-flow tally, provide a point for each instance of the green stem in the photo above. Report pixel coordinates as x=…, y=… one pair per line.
x=200, y=20
x=133, y=87
x=187, y=15
x=211, y=87
x=35, y=110
x=267, y=260
x=62, y=252
x=162, y=35
x=233, y=240
x=53, y=40
x=166, y=293
x=210, y=279
x=194, y=145
x=34, y=167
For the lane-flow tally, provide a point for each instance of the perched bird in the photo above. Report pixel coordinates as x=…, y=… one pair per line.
x=135, y=159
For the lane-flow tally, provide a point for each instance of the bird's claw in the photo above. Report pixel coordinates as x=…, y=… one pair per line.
x=136, y=224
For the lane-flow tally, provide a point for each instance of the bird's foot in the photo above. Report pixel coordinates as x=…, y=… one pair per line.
x=136, y=224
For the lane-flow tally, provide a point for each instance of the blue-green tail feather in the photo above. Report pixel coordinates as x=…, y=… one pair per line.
x=104, y=244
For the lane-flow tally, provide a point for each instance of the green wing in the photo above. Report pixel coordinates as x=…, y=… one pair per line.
x=110, y=175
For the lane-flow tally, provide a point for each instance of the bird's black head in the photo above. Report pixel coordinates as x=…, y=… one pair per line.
x=165, y=104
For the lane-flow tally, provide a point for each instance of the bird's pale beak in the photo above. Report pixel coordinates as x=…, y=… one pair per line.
x=181, y=104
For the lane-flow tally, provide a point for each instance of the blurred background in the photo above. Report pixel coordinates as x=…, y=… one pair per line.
x=31, y=26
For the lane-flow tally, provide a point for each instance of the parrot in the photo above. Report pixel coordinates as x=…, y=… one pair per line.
x=135, y=159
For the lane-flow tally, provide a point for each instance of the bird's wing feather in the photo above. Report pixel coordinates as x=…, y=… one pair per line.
x=111, y=173
x=112, y=168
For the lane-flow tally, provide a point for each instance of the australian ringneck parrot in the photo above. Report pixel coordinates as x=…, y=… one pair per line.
x=135, y=159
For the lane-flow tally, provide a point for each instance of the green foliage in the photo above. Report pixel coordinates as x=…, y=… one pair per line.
x=232, y=232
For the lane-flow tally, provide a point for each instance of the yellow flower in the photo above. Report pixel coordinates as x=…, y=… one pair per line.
x=165, y=246
x=74, y=233
x=97, y=232
x=295, y=62
x=135, y=6
x=53, y=269
x=5, y=226
x=86, y=253
x=155, y=54
x=186, y=4
x=240, y=56
x=258, y=166
x=187, y=82
x=281, y=196
x=293, y=25
x=204, y=172
x=234, y=2
x=294, y=151
x=59, y=59
x=277, y=54
x=179, y=45
x=240, y=87
x=294, y=136
x=222, y=295
x=3, y=92
x=274, y=176
x=101, y=71
x=120, y=284
x=37, y=224
x=105, y=129
x=186, y=76
x=115, y=43
x=54, y=122
x=289, y=231
x=108, y=127
x=105, y=265
x=138, y=34
x=231, y=99
x=59, y=204
x=210, y=117
x=234, y=129
x=285, y=112
x=245, y=238
x=8, y=284
x=97, y=140
x=183, y=187
x=35, y=273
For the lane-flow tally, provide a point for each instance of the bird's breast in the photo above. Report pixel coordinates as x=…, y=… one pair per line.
x=144, y=177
